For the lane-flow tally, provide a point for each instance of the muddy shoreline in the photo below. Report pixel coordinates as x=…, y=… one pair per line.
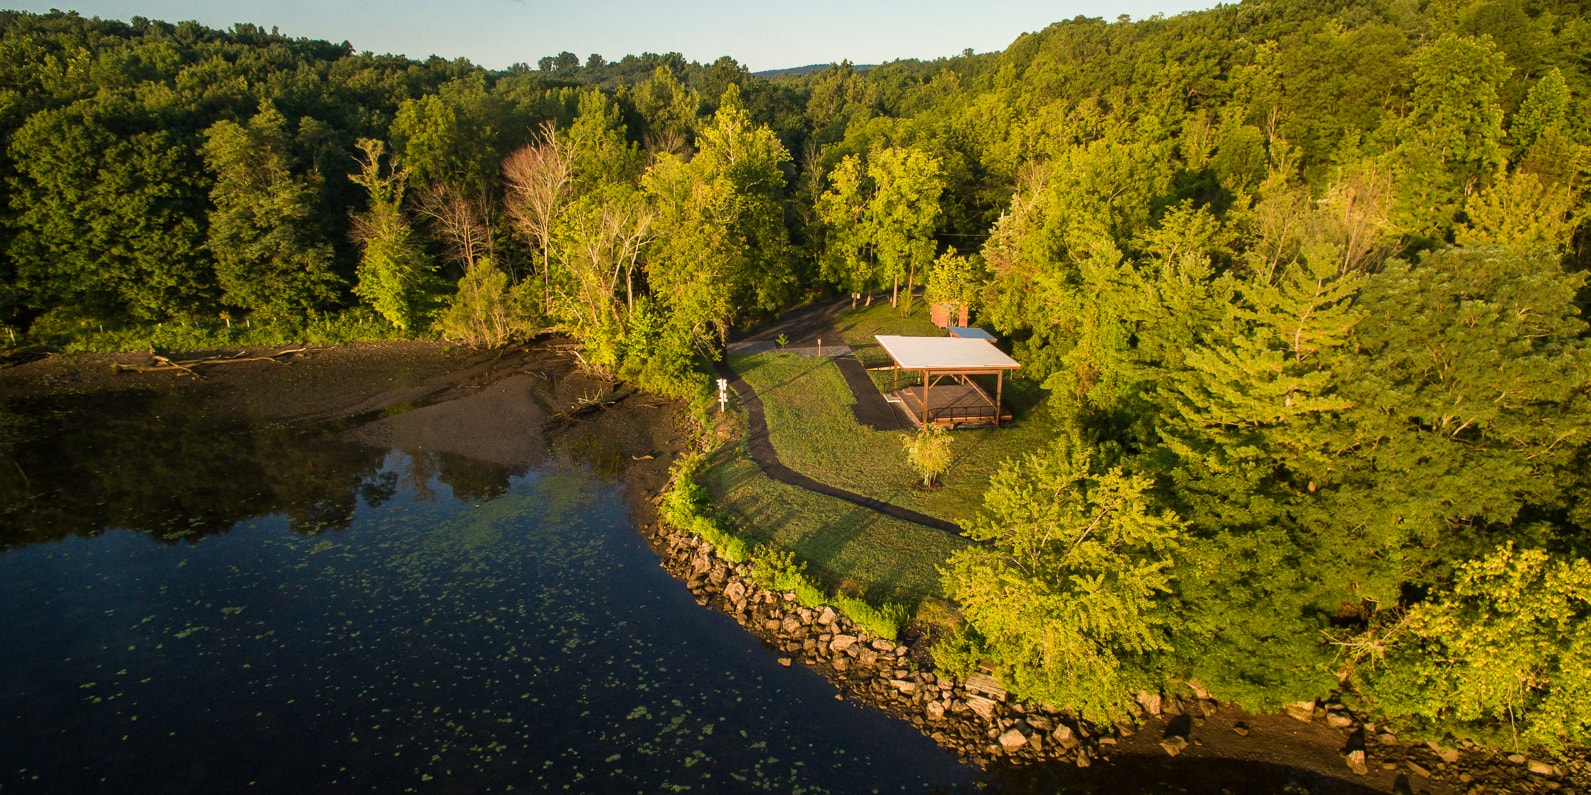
x=508, y=408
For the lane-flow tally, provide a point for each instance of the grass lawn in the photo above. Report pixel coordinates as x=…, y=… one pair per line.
x=846, y=548
x=858, y=326
x=811, y=426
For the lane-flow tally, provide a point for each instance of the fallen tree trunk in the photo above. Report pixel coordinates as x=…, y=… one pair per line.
x=164, y=364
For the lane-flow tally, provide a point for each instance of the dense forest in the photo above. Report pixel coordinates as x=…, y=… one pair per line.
x=1303, y=281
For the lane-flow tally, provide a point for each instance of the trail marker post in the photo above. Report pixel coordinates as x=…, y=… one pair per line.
x=723, y=394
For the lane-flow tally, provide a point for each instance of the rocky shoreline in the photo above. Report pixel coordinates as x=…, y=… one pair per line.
x=984, y=725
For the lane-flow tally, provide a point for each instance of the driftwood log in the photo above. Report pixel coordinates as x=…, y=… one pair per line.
x=159, y=363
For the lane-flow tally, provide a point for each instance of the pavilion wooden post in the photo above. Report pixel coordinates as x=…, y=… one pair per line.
x=925, y=397
x=999, y=386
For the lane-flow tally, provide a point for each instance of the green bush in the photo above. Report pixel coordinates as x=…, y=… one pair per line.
x=776, y=570
x=780, y=571
x=685, y=507
x=1502, y=656
x=958, y=653
x=885, y=620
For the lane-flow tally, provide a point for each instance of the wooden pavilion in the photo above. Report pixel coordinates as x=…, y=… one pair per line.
x=961, y=402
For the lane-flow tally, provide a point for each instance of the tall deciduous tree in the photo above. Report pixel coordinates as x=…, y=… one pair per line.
x=598, y=244
x=721, y=240
x=903, y=213
x=463, y=224
x=1452, y=136
x=842, y=209
x=1067, y=592
x=539, y=177
x=109, y=213
x=272, y=255
x=452, y=136
x=394, y=274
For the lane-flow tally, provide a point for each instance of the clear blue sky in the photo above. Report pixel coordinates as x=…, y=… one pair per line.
x=761, y=35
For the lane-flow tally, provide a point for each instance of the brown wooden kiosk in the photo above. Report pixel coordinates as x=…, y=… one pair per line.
x=939, y=358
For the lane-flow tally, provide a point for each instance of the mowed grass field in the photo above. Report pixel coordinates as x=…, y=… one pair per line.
x=847, y=548
x=811, y=426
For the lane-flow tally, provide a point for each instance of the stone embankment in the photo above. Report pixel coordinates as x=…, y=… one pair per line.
x=975, y=718
x=983, y=724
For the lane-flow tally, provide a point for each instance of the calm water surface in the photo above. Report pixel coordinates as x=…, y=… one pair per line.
x=189, y=603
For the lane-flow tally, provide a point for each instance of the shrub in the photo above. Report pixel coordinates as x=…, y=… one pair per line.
x=483, y=311
x=685, y=507
x=928, y=452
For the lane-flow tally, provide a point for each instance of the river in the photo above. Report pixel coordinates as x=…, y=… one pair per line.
x=222, y=606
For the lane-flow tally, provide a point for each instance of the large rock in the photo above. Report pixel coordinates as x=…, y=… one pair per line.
x=735, y=591
x=1013, y=740
x=1150, y=702
x=1300, y=710
x=936, y=710
x=904, y=686
x=1174, y=744
x=1356, y=761
x=983, y=706
x=882, y=644
x=1541, y=768
x=984, y=684
x=842, y=642
x=1448, y=755
x=827, y=616
x=1064, y=736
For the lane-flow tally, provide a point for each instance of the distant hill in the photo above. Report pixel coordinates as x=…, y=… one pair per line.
x=797, y=71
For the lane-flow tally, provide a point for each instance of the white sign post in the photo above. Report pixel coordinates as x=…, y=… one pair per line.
x=723, y=394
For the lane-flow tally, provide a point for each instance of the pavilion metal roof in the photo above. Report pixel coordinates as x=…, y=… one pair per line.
x=945, y=354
